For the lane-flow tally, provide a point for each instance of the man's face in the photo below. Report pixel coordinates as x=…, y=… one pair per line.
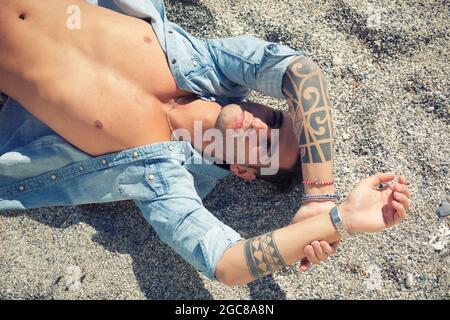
x=274, y=142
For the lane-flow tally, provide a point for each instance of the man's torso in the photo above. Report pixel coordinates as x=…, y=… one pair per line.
x=100, y=86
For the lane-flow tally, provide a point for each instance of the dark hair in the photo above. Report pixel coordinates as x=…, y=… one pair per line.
x=285, y=179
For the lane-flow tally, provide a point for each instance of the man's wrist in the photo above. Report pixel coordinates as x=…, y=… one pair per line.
x=345, y=214
x=318, y=189
x=311, y=203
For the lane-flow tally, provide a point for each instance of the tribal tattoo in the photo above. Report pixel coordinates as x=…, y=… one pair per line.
x=307, y=95
x=262, y=255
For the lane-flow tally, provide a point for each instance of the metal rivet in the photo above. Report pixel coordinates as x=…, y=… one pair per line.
x=174, y=61
x=53, y=177
x=21, y=187
x=81, y=168
x=135, y=154
x=151, y=177
x=171, y=148
x=104, y=161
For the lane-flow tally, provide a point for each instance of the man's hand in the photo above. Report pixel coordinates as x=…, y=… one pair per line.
x=371, y=209
x=317, y=251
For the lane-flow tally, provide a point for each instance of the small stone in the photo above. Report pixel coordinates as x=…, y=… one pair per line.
x=409, y=281
x=444, y=169
x=443, y=210
x=354, y=29
x=348, y=27
x=430, y=109
x=409, y=263
x=409, y=86
x=345, y=136
x=337, y=61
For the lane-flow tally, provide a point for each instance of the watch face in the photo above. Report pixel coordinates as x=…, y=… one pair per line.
x=337, y=222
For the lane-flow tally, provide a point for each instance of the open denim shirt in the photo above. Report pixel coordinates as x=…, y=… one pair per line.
x=39, y=168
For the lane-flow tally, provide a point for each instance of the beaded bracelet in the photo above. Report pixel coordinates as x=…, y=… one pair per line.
x=319, y=197
x=325, y=182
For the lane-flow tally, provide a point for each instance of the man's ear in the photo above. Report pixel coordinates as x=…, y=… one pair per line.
x=243, y=172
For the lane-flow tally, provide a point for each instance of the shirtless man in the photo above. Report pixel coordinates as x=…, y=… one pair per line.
x=107, y=87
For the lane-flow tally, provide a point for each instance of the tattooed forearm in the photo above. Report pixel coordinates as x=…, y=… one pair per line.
x=305, y=89
x=262, y=255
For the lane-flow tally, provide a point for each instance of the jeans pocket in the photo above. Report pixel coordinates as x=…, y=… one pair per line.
x=155, y=179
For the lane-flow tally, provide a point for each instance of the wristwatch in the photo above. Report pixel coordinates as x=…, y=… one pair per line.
x=337, y=222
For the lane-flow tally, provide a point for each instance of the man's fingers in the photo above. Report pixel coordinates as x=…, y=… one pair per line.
x=319, y=251
x=400, y=197
x=403, y=180
x=381, y=177
x=400, y=211
x=311, y=255
x=335, y=245
x=305, y=265
x=326, y=248
x=402, y=189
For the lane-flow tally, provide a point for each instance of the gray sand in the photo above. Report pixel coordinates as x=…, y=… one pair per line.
x=389, y=88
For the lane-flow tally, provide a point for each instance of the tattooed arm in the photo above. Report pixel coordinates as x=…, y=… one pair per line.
x=367, y=209
x=262, y=255
x=305, y=89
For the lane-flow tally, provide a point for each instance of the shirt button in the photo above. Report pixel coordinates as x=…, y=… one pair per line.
x=135, y=154
x=174, y=61
x=104, y=161
x=151, y=177
x=53, y=177
x=171, y=148
x=21, y=187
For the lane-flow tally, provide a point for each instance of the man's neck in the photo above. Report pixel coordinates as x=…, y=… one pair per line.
x=194, y=116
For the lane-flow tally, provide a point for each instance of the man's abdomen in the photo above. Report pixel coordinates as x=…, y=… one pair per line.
x=99, y=85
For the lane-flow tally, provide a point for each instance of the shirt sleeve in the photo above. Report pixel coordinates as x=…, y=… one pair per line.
x=252, y=63
x=182, y=222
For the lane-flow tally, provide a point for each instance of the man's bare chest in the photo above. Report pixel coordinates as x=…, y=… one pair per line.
x=100, y=86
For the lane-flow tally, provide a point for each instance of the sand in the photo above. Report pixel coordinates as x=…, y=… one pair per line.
x=387, y=63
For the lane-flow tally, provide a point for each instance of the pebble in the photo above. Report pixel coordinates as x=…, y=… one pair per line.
x=409, y=263
x=337, y=61
x=409, y=86
x=409, y=281
x=345, y=136
x=443, y=210
x=444, y=169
